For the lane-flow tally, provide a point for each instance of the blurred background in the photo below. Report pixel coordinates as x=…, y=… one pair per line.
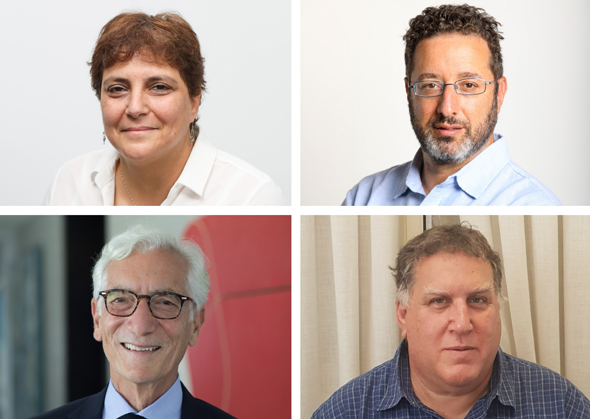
x=48, y=356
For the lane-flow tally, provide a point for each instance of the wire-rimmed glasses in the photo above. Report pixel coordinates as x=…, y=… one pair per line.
x=433, y=88
x=162, y=305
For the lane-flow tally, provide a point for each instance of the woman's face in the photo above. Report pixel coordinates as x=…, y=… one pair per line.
x=146, y=111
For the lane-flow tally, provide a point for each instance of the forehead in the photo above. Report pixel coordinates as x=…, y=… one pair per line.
x=140, y=67
x=155, y=270
x=452, y=272
x=452, y=54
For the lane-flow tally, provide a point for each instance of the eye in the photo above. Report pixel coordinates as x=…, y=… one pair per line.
x=160, y=88
x=429, y=86
x=116, y=89
x=469, y=85
x=479, y=300
x=438, y=301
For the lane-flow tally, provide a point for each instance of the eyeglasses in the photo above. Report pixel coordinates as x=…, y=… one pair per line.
x=466, y=87
x=162, y=305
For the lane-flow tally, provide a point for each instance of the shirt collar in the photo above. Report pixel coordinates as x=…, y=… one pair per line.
x=398, y=379
x=413, y=179
x=194, y=176
x=505, y=380
x=399, y=384
x=473, y=178
x=168, y=405
x=198, y=167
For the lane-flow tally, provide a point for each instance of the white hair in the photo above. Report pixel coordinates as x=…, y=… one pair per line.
x=142, y=239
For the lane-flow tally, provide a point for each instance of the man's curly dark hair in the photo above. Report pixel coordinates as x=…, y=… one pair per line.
x=450, y=18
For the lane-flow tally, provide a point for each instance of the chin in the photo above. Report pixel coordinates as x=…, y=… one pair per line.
x=140, y=376
x=460, y=375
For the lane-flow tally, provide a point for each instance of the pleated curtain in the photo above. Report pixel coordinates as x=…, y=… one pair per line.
x=348, y=323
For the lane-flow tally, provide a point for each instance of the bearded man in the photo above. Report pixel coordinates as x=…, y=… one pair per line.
x=455, y=89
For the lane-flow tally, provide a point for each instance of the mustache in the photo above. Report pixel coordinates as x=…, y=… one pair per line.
x=446, y=120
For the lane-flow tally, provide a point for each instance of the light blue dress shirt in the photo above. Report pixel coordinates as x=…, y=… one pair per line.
x=491, y=178
x=168, y=406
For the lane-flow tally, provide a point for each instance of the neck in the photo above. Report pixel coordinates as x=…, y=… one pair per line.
x=140, y=396
x=148, y=183
x=433, y=173
x=450, y=403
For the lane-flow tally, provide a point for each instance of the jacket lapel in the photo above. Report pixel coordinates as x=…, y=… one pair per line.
x=91, y=408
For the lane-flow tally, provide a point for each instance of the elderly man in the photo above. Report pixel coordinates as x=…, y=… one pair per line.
x=455, y=89
x=149, y=294
x=449, y=364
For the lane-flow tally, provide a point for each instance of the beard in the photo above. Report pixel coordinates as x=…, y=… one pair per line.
x=454, y=150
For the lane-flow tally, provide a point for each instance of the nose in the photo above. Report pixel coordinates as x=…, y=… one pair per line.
x=137, y=105
x=448, y=102
x=460, y=318
x=142, y=322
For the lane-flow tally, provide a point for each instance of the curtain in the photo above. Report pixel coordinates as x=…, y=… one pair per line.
x=348, y=323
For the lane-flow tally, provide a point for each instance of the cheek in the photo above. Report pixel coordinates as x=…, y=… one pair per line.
x=111, y=114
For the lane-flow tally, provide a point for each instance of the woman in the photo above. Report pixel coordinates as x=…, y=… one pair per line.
x=147, y=72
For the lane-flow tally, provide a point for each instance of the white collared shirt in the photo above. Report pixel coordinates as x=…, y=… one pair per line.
x=210, y=177
x=168, y=406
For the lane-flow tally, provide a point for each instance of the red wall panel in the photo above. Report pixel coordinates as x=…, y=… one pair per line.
x=242, y=362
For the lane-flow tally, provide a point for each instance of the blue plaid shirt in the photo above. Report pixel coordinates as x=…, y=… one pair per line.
x=517, y=389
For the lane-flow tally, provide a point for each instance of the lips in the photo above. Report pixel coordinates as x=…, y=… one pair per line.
x=447, y=130
x=135, y=348
x=460, y=348
x=137, y=129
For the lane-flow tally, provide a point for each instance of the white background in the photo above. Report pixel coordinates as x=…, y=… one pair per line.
x=354, y=113
x=49, y=113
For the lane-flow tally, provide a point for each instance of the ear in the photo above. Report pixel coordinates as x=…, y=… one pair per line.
x=401, y=313
x=197, y=323
x=502, y=88
x=195, y=103
x=407, y=83
x=96, y=319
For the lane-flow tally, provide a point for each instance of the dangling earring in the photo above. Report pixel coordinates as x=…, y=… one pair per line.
x=104, y=138
x=194, y=130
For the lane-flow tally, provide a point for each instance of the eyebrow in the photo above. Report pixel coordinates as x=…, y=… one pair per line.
x=477, y=290
x=152, y=79
x=462, y=75
x=161, y=290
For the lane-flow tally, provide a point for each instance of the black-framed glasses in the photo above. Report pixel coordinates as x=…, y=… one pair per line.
x=162, y=305
x=468, y=87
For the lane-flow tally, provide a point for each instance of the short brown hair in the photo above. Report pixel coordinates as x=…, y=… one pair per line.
x=164, y=38
x=451, y=18
x=451, y=239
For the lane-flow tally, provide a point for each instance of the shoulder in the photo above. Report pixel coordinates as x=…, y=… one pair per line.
x=74, y=178
x=534, y=386
x=526, y=188
x=388, y=179
x=360, y=395
x=256, y=187
x=87, y=407
x=191, y=406
x=86, y=163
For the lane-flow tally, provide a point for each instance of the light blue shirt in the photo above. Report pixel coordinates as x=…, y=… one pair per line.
x=491, y=178
x=168, y=406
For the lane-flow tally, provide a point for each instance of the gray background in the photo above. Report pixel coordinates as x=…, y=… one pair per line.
x=354, y=113
x=49, y=113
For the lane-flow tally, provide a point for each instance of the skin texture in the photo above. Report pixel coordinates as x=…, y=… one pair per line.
x=448, y=58
x=452, y=325
x=146, y=111
x=142, y=377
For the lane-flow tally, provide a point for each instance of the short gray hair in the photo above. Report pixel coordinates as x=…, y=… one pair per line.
x=461, y=238
x=143, y=239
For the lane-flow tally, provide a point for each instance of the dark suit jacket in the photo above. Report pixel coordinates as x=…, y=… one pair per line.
x=91, y=408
